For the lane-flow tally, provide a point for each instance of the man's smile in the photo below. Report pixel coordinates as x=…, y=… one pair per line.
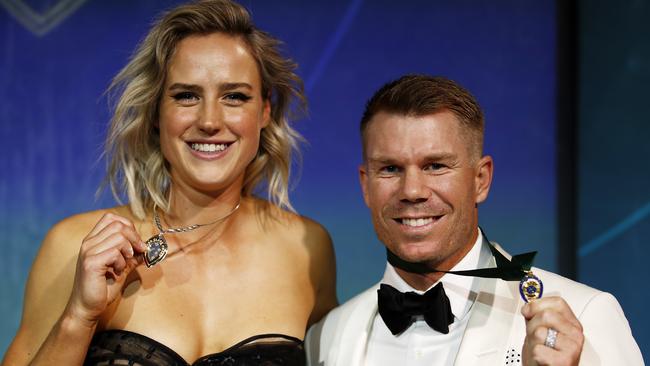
x=417, y=222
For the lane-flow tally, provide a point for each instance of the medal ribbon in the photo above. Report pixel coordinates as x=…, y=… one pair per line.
x=514, y=269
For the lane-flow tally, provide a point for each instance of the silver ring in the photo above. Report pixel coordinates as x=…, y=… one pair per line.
x=551, y=337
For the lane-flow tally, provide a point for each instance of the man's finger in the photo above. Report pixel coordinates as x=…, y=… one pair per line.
x=549, y=318
x=553, y=303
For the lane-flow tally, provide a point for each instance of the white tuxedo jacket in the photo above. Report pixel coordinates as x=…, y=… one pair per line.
x=496, y=329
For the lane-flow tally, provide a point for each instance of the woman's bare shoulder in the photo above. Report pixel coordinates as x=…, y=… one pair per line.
x=284, y=222
x=51, y=277
x=84, y=219
x=54, y=264
x=317, y=249
x=70, y=231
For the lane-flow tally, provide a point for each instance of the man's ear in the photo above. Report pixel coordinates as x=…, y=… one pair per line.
x=363, y=179
x=484, y=172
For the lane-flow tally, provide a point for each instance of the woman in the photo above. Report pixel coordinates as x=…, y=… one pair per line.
x=225, y=278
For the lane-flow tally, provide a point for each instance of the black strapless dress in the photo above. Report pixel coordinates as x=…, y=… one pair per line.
x=121, y=347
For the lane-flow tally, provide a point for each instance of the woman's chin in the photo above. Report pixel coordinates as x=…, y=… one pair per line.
x=211, y=184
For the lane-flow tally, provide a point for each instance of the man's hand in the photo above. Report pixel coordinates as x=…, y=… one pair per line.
x=551, y=313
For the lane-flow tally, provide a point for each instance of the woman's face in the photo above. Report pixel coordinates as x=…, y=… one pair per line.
x=211, y=112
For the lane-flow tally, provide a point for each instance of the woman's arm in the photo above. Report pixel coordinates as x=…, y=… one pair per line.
x=323, y=270
x=71, y=283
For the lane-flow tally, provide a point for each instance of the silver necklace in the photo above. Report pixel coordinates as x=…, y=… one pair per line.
x=157, y=247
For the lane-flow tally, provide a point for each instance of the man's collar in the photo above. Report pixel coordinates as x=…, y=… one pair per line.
x=461, y=290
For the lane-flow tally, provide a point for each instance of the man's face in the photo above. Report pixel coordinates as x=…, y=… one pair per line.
x=422, y=184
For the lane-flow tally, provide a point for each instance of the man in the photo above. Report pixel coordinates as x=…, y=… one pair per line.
x=423, y=175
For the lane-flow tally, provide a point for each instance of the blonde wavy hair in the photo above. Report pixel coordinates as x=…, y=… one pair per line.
x=136, y=166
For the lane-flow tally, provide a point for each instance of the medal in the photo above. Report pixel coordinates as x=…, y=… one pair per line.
x=156, y=250
x=157, y=247
x=531, y=287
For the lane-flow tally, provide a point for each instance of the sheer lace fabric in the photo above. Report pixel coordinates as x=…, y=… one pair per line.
x=121, y=347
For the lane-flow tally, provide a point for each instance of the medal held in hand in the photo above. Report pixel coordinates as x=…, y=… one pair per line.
x=156, y=250
x=157, y=247
x=531, y=287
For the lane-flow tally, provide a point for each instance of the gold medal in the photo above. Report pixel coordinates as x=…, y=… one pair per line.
x=531, y=287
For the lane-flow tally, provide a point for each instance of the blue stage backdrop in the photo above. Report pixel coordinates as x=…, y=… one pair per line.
x=58, y=56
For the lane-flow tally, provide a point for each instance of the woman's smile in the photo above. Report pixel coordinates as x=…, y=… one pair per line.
x=209, y=151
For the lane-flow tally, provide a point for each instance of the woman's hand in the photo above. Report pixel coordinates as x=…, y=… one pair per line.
x=107, y=255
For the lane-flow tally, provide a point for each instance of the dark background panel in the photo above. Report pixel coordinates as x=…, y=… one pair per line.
x=614, y=173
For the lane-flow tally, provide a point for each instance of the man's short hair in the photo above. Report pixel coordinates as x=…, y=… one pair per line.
x=421, y=95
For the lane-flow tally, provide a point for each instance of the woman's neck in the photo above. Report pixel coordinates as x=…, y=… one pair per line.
x=188, y=206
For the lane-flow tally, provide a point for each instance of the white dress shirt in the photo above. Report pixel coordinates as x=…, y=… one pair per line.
x=421, y=345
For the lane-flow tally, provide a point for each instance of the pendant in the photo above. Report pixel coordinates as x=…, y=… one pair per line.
x=156, y=250
x=531, y=287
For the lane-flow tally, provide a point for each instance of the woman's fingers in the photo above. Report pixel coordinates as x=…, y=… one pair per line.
x=107, y=219
x=116, y=240
x=107, y=255
x=126, y=232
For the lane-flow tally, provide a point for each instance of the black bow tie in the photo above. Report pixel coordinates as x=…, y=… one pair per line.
x=397, y=309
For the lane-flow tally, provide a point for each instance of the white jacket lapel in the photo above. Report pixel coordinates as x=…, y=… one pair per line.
x=490, y=323
x=354, y=334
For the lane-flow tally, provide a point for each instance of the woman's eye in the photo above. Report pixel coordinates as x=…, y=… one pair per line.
x=236, y=98
x=185, y=96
